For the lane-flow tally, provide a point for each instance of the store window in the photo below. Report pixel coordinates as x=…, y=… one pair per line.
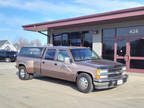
x=61, y=40
x=65, y=40
x=108, y=43
x=87, y=37
x=76, y=39
x=83, y=38
x=57, y=40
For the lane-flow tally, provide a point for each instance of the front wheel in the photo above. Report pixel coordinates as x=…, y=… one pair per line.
x=84, y=83
x=23, y=75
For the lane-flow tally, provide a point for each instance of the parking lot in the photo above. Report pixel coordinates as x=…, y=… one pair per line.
x=44, y=92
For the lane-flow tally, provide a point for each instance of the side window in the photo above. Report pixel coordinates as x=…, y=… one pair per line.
x=62, y=54
x=50, y=54
x=31, y=52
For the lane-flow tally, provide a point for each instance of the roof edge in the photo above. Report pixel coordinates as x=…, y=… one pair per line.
x=88, y=16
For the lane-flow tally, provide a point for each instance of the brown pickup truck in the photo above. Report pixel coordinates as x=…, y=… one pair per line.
x=76, y=64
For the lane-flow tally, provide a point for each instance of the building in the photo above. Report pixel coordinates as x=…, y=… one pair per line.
x=7, y=45
x=116, y=35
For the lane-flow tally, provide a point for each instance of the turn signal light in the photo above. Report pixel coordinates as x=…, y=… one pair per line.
x=97, y=71
x=97, y=77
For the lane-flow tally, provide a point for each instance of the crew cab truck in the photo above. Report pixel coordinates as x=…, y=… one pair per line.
x=76, y=64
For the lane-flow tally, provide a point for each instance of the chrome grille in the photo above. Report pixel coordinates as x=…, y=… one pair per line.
x=115, y=72
x=114, y=75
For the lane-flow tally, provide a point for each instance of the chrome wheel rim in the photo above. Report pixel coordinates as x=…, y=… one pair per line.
x=22, y=73
x=83, y=82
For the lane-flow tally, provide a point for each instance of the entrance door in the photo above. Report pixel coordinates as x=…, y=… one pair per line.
x=136, y=55
x=130, y=52
x=121, y=51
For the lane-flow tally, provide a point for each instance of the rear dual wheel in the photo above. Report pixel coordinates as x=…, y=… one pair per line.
x=23, y=75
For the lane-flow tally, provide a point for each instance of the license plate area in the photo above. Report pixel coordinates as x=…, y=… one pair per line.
x=119, y=82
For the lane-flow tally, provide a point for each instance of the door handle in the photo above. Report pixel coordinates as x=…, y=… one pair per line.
x=55, y=64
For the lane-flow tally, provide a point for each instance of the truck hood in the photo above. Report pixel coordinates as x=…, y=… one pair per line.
x=101, y=64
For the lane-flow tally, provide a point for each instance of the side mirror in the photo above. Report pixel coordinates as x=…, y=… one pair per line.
x=67, y=60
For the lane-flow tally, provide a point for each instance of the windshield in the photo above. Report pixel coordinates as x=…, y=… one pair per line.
x=84, y=54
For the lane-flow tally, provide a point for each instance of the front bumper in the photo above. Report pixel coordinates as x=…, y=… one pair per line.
x=109, y=82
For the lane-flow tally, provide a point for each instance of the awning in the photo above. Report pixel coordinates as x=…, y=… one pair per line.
x=102, y=18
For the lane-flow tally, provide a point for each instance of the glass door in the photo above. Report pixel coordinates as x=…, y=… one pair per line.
x=136, y=55
x=131, y=53
x=121, y=51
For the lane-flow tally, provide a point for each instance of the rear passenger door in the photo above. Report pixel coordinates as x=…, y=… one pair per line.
x=48, y=63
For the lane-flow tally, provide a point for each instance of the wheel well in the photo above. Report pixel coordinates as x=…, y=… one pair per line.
x=79, y=72
x=21, y=65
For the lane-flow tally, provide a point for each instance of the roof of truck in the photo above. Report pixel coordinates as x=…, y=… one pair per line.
x=65, y=47
x=59, y=47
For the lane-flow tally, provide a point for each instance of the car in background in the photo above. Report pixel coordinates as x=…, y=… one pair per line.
x=8, y=56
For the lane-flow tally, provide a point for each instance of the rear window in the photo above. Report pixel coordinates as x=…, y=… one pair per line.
x=31, y=52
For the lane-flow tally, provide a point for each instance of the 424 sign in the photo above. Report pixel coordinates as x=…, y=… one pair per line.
x=134, y=31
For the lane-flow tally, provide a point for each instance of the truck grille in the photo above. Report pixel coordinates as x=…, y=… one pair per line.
x=114, y=75
x=115, y=72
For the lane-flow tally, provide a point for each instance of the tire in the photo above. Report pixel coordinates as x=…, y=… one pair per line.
x=84, y=83
x=7, y=60
x=23, y=75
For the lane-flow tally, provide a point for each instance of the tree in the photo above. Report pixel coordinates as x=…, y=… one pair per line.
x=23, y=42
x=36, y=43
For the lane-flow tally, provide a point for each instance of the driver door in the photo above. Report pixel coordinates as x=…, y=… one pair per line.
x=64, y=70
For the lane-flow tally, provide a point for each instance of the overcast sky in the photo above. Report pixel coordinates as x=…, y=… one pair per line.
x=15, y=13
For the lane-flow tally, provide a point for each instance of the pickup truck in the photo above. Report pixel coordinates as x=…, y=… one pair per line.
x=76, y=64
x=8, y=56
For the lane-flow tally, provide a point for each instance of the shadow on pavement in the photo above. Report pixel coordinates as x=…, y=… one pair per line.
x=62, y=82
x=54, y=80
x=57, y=81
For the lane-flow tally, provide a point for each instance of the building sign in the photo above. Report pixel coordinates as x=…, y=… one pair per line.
x=131, y=31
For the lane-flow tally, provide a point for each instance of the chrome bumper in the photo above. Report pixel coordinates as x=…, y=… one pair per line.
x=109, y=82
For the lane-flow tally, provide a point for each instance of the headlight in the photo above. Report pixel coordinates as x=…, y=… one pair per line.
x=99, y=72
x=124, y=68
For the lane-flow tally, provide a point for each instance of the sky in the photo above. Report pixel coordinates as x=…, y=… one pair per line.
x=15, y=13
